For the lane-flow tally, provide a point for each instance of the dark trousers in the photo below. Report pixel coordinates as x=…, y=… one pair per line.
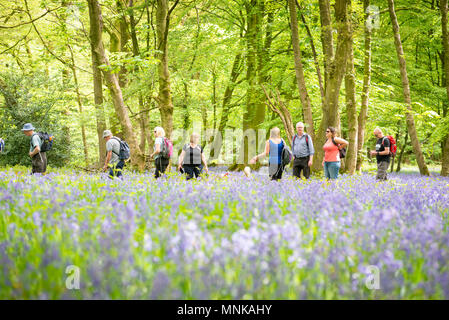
x=192, y=170
x=301, y=164
x=279, y=169
x=39, y=163
x=161, y=166
x=116, y=169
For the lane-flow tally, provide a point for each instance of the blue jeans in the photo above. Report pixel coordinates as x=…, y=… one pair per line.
x=116, y=169
x=331, y=169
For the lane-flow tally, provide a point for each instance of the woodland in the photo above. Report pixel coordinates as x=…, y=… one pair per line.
x=76, y=68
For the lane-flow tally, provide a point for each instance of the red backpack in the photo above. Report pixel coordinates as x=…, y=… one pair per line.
x=393, y=147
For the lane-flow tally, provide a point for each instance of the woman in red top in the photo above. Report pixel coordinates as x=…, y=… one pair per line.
x=331, y=162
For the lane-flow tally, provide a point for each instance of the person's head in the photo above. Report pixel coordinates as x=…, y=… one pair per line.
x=275, y=133
x=159, y=132
x=378, y=133
x=194, y=138
x=28, y=129
x=107, y=134
x=300, y=128
x=331, y=132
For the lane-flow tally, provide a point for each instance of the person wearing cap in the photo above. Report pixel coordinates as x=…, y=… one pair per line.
x=38, y=158
x=112, y=161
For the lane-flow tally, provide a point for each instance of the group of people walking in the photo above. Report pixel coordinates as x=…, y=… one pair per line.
x=192, y=160
x=303, y=151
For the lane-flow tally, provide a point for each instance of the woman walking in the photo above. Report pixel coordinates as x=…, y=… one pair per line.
x=191, y=157
x=159, y=162
x=331, y=162
x=273, y=149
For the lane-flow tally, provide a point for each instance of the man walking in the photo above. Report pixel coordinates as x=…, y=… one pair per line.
x=112, y=157
x=382, y=154
x=38, y=158
x=302, y=148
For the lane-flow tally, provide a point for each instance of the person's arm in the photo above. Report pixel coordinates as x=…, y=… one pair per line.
x=382, y=153
x=35, y=151
x=203, y=158
x=311, y=151
x=181, y=159
x=157, y=149
x=108, y=158
x=341, y=142
x=37, y=148
x=263, y=154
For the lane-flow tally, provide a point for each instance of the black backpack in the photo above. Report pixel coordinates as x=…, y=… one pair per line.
x=124, y=153
x=286, y=155
x=47, y=140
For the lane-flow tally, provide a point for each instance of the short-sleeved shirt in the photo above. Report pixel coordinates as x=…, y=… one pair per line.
x=381, y=144
x=35, y=141
x=160, y=141
x=114, y=146
x=193, y=155
x=302, y=146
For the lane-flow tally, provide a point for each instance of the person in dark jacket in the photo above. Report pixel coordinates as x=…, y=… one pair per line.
x=38, y=158
x=191, y=158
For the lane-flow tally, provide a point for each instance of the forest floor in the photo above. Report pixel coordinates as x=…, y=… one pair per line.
x=232, y=237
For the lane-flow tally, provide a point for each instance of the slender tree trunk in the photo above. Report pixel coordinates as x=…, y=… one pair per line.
x=143, y=113
x=445, y=39
x=98, y=92
x=401, y=154
x=164, y=99
x=299, y=71
x=255, y=110
x=95, y=16
x=365, y=91
x=335, y=66
x=406, y=91
x=351, y=110
x=315, y=55
x=226, y=106
x=80, y=107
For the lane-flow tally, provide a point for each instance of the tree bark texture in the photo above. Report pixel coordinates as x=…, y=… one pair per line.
x=406, y=91
x=299, y=71
x=95, y=16
x=164, y=99
x=365, y=91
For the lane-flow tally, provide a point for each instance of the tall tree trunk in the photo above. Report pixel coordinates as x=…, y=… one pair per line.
x=299, y=71
x=406, y=91
x=365, y=91
x=351, y=110
x=143, y=113
x=164, y=99
x=96, y=21
x=334, y=66
x=255, y=111
x=445, y=39
x=95, y=37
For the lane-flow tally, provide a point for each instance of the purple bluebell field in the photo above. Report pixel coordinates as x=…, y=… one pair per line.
x=220, y=237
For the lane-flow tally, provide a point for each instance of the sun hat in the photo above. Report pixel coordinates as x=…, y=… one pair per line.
x=28, y=127
x=107, y=133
